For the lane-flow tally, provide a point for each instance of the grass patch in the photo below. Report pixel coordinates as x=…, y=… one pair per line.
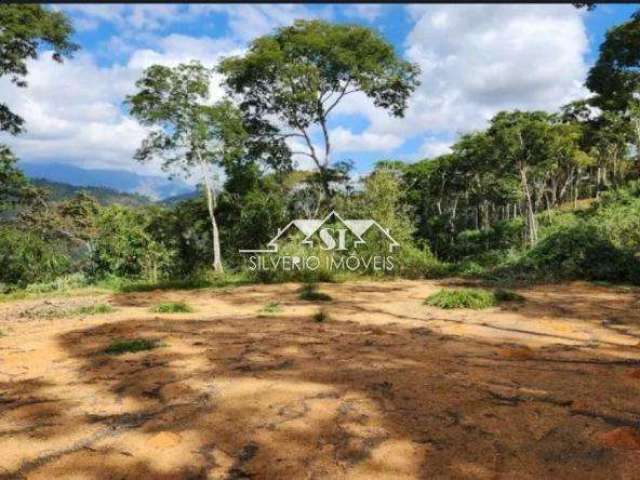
x=95, y=309
x=321, y=316
x=172, y=307
x=310, y=293
x=270, y=308
x=127, y=346
x=473, y=298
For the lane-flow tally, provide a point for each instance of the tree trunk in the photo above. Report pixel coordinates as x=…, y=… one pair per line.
x=531, y=228
x=215, y=234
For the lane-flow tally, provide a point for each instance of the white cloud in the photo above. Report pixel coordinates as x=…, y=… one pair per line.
x=74, y=112
x=247, y=22
x=479, y=59
x=432, y=148
x=344, y=140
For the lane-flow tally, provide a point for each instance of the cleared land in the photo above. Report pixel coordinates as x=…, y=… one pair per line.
x=383, y=387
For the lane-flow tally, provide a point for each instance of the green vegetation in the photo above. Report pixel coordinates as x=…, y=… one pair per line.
x=130, y=346
x=507, y=296
x=472, y=298
x=321, y=316
x=310, y=293
x=172, y=307
x=59, y=192
x=95, y=309
x=270, y=308
x=535, y=196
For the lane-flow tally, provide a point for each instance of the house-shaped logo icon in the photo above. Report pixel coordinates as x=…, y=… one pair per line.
x=309, y=228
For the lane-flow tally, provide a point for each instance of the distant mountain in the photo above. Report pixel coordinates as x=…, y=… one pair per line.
x=179, y=198
x=105, y=196
x=154, y=187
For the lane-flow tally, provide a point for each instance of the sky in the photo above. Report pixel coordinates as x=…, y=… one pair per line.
x=475, y=61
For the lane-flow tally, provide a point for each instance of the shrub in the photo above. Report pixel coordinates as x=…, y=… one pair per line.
x=582, y=251
x=310, y=293
x=27, y=258
x=321, y=316
x=126, y=346
x=95, y=309
x=172, y=307
x=507, y=296
x=270, y=308
x=464, y=298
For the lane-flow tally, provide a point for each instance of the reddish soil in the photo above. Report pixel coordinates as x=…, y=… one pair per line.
x=385, y=388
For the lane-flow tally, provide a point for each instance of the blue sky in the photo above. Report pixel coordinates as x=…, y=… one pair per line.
x=475, y=61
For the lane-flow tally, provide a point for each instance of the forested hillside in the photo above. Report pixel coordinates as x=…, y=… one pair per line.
x=533, y=196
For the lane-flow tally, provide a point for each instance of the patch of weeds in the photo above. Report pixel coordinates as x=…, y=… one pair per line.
x=95, y=309
x=310, y=293
x=127, y=346
x=270, y=308
x=472, y=298
x=507, y=296
x=321, y=316
x=172, y=307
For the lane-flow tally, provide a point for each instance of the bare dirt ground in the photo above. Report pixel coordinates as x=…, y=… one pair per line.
x=386, y=388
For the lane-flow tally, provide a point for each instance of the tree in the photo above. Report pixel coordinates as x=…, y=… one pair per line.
x=14, y=183
x=615, y=77
x=297, y=76
x=523, y=140
x=23, y=30
x=189, y=131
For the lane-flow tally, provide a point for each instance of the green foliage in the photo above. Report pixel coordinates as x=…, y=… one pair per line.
x=507, y=296
x=123, y=246
x=310, y=293
x=96, y=309
x=25, y=30
x=58, y=192
x=472, y=298
x=60, y=284
x=321, y=316
x=130, y=346
x=299, y=74
x=270, y=308
x=172, y=307
x=14, y=184
x=25, y=257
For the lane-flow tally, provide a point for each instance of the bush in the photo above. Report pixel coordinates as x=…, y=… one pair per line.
x=507, y=296
x=126, y=346
x=321, y=316
x=472, y=298
x=60, y=284
x=270, y=308
x=27, y=258
x=310, y=293
x=95, y=309
x=172, y=307
x=582, y=251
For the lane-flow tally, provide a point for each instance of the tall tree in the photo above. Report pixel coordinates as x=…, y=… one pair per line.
x=23, y=30
x=188, y=130
x=523, y=140
x=295, y=78
x=615, y=77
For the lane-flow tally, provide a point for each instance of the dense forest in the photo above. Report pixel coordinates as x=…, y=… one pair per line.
x=534, y=196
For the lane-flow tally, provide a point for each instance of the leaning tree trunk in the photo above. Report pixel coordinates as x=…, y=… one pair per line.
x=215, y=234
